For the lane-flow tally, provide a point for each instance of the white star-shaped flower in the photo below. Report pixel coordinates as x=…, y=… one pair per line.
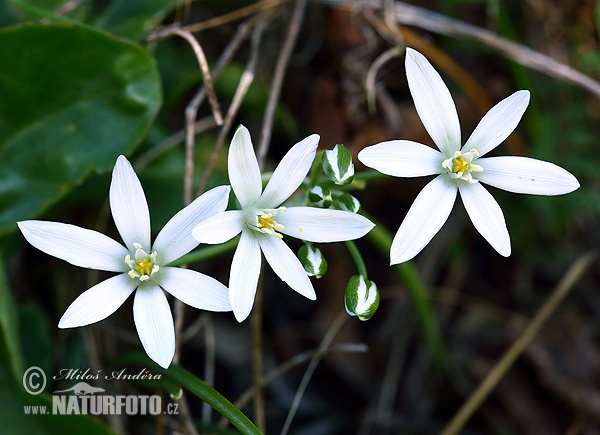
x=460, y=167
x=141, y=265
x=263, y=221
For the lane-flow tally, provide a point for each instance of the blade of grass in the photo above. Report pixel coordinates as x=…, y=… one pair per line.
x=408, y=274
x=211, y=396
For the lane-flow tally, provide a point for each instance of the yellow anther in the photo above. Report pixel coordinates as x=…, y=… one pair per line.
x=266, y=223
x=459, y=164
x=460, y=167
x=144, y=266
x=265, y=220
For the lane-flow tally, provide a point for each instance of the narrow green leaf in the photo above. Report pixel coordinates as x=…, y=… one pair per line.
x=382, y=239
x=211, y=396
x=9, y=325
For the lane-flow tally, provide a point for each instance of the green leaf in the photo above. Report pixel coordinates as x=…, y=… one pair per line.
x=9, y=326
x=36, y=337
x=211, y=396
x=13, y=398
x=134, y=18
x=417, y=291
x=73, y=99
x=13, y=12
x=197, y=387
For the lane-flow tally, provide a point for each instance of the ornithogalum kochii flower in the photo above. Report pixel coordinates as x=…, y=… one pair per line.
x=263, y=221
x=461, y=168
x=141, y=265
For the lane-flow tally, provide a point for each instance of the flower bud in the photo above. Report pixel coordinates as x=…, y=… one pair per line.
x=320, y=196
x=362, y=297
x=313, y=261
x=346, y=202
x=337, y=165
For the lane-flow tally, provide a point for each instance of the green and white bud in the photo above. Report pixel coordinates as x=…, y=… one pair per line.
x=346, y=202
x=337, y=165
x=313, y=261
x=362, y=297
x=320, y=196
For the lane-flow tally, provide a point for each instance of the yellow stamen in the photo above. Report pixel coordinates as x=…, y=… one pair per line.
x=144, y=266
x=459, y=164
x=265, y=221
x=267, y=224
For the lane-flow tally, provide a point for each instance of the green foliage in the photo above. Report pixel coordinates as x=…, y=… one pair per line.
x=12, y=395
x=73, y=99
x=134, y=18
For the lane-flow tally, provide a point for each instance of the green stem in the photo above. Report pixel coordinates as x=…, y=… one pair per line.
x=205, y=253
x=317, y=178
x=357, y=257
x=417, y=290
x=315, y=170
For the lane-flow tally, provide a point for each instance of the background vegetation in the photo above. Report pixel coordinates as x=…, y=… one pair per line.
x=84, y=81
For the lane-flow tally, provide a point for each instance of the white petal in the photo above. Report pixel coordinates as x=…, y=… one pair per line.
x=424, y=219
x=194, y=289
x=402, y=158
x=245, y=269
x=219, y=228
x=486, y=215
x=290, y=173
x=98, y=302
x=526, y=175
x=433, y=102
x=286, y=265
x=175, y=239
x=323, y=225
x=498, y=123
x=244, y=173
x=78, y=246
x=128, y=205
x=154, y=323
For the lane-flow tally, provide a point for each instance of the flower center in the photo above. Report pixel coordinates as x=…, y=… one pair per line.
x=264, y=221
x=460, y=166
x=143, y=266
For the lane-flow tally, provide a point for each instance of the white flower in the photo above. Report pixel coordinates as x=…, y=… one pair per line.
x=263, y=221
x=460, y=168
x=141, y=265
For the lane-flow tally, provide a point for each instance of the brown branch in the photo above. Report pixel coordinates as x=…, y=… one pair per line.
x=237, y=14
x=243, y=87
x=476, y=398
x=278, y=76
x=175, y=30
x=434, y=22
